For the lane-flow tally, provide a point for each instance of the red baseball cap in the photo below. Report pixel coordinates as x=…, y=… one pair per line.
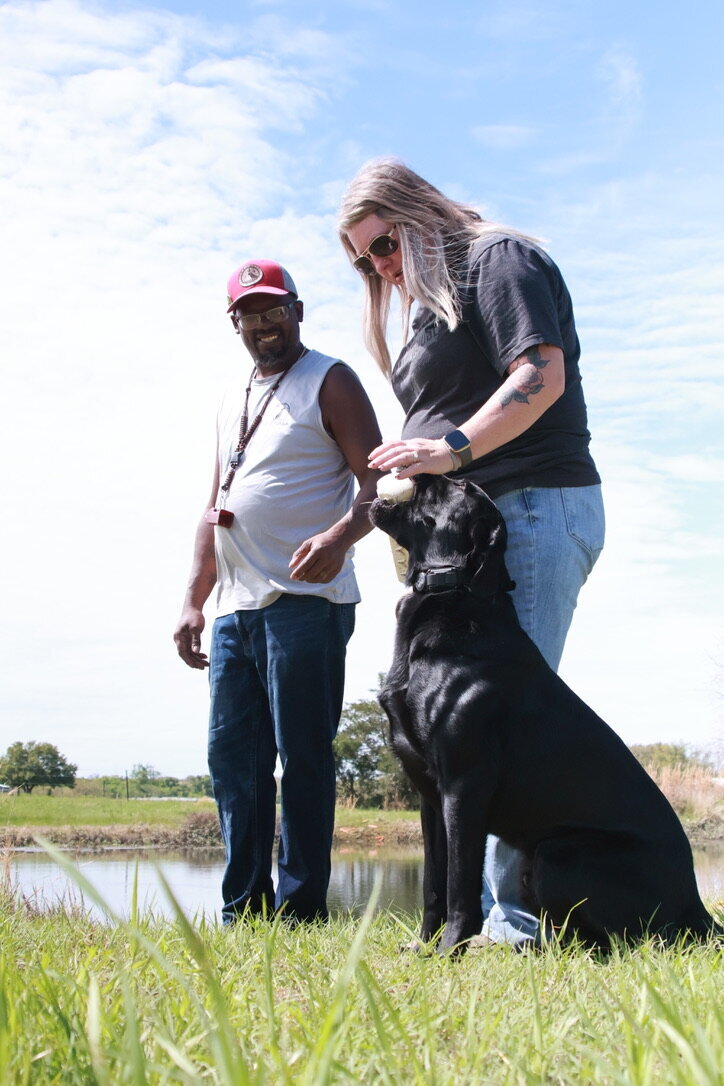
x=258, y=277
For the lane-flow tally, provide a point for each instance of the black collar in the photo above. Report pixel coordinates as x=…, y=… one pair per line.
x=456, y=578
x=441, y=579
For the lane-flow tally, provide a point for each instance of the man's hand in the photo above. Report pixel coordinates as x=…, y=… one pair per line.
x=348, y=419
x=318, y=560
x=187, y=636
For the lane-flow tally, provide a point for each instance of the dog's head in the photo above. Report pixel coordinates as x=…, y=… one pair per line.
x=448, y=523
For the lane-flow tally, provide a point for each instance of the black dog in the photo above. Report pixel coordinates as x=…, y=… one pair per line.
x=495, y=742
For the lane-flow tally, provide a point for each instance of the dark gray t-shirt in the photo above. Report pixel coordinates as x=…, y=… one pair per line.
x=513, y=297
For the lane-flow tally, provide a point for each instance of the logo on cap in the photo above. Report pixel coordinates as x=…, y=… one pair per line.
x=251, y=274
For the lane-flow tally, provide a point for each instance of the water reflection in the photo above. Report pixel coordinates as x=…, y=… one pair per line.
x=195, y=878
x=354, y=874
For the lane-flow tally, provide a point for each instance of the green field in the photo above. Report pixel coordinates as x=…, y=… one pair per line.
x=23, y=810
x=147, y=1002
x=37, y=810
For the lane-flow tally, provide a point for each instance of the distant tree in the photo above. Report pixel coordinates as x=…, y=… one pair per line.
x=358, y=749
x=149, y=783
x=657, y=756
x=197, y=785
x=144, y=774
x=27, y=765
x=146, y=778
x=368, y=773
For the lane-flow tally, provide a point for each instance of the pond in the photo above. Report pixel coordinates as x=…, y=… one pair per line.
x=195, y=878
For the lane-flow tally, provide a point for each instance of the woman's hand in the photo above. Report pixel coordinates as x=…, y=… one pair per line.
x=519, y=402
x=417, y=456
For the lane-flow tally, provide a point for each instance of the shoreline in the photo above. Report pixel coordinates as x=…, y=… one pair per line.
x=204, y=833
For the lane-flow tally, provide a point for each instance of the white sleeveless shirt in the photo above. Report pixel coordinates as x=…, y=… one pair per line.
x=292, y=483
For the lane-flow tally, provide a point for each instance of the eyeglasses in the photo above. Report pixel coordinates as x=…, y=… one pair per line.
x=382, y=245
x=247, y=321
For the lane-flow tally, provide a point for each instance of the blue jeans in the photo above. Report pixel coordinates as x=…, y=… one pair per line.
x=277, y=686
x=555, y=536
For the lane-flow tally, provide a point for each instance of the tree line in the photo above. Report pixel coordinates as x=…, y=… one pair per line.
x=368, y=775
x=26, y=766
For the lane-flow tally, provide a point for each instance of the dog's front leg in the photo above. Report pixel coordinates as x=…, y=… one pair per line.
x=434, y=883
x=464, y=813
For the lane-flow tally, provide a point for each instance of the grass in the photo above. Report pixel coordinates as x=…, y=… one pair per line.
x=93, y=822
x=38, y=810
x=146, y=1001
x=357, y=816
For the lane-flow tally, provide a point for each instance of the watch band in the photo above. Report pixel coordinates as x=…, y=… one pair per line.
x=457, y=443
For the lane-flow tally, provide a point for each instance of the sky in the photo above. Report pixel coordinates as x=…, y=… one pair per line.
x=147, y=149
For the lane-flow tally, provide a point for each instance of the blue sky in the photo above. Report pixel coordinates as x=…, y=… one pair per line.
x=146, y=150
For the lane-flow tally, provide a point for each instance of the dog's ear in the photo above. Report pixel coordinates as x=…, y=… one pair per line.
x=491, y=538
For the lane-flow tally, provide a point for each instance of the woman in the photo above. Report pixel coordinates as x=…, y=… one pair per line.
x=491, y=390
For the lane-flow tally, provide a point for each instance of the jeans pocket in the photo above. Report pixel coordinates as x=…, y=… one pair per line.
x=585, y=517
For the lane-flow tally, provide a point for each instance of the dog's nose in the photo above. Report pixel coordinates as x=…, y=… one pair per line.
x=392, y=489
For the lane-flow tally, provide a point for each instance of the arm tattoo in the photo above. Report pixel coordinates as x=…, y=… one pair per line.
x=531, y=382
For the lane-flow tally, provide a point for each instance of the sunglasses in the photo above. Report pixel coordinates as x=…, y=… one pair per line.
x=247, y=321
x=382, y=245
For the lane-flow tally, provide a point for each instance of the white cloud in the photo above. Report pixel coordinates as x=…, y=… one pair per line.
x=695, y=468
x=134, y=176
x=518, y=22
x=643, y=645
x=142, y=156
x=502, y=136
x=620, y=71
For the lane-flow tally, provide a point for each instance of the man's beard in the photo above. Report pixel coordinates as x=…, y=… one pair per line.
x=271, y=357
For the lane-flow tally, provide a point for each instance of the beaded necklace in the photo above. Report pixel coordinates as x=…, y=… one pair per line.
x=221, y=516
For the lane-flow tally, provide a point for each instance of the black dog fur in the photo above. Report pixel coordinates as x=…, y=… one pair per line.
x=495, y=742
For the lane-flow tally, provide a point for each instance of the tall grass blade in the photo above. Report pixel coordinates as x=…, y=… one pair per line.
x=94, y=1032
x=135, y=1057
x=134, y=916
x=320, y=1066
x=375, y=998
x=222, y=1041
x=77, y=876
x=269, y=997
x=227, y=1052
x=688, y=1038
x=179, y=1058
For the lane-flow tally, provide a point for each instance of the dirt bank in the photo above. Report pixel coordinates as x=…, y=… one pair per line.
x=201, y=830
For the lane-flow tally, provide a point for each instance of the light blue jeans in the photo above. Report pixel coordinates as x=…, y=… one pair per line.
x=555, y=536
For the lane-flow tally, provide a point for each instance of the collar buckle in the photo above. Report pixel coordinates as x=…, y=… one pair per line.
x=441, y=579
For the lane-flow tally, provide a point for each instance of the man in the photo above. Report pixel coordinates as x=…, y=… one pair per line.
x=276, y=539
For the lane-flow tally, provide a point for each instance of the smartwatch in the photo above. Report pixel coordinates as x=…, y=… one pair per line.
x=458, y=443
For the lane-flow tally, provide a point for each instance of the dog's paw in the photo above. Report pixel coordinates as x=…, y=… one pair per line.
x=455, y=948
x=480, y=942
x=455, y=951
x=417, y=946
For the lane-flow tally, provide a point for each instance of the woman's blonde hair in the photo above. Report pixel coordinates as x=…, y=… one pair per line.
x=435, y=235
